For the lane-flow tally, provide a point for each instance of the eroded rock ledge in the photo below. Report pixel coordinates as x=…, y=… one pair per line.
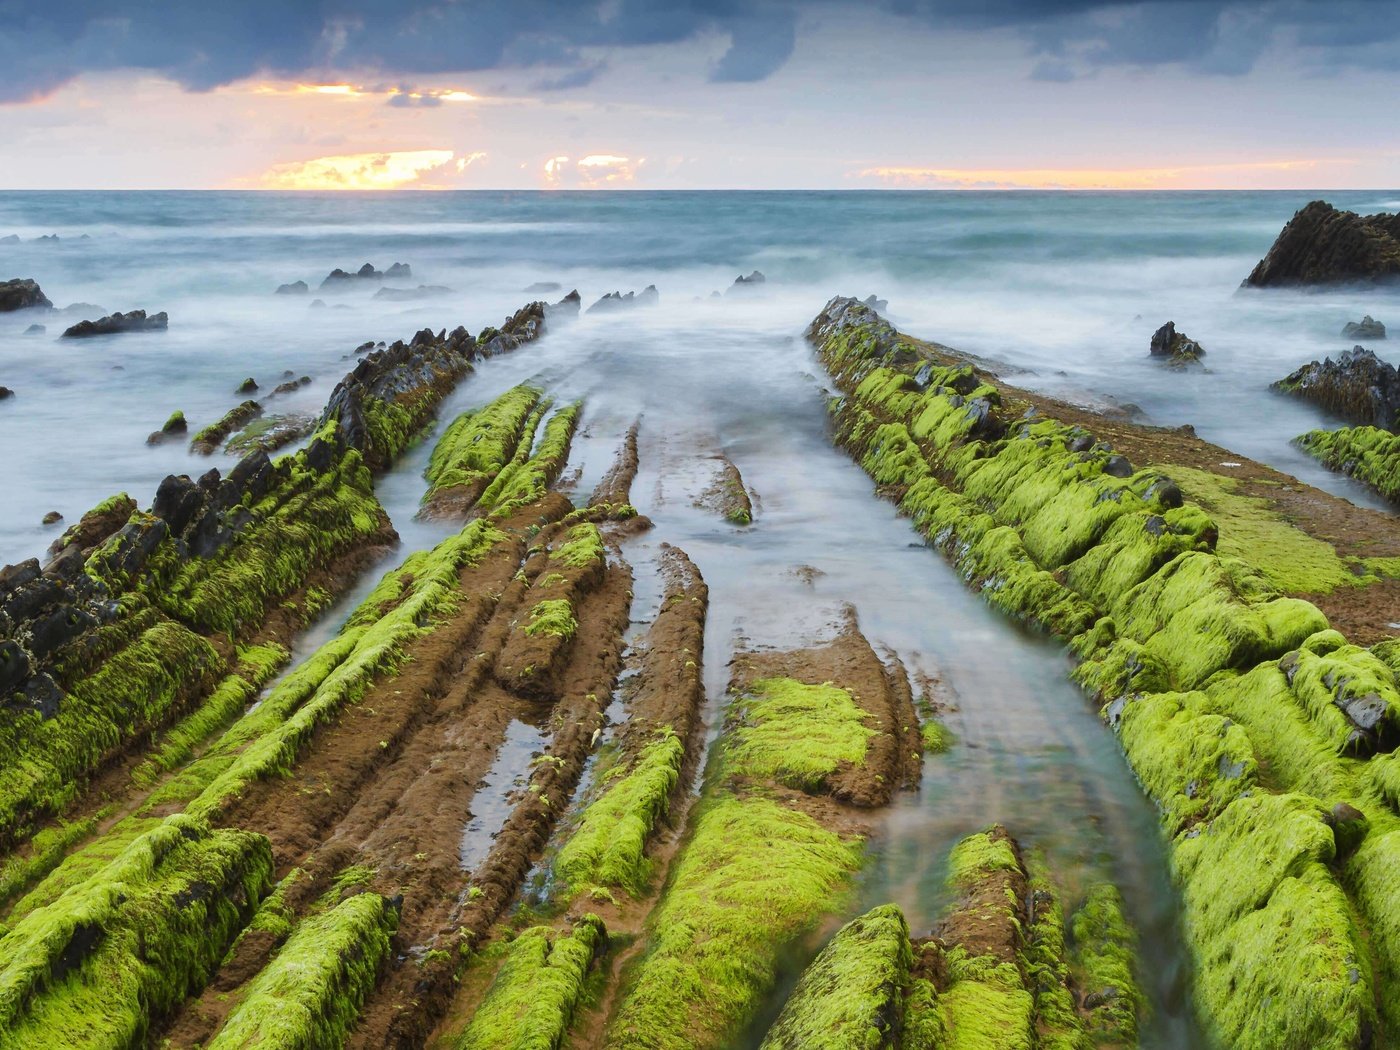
x=1323, y=245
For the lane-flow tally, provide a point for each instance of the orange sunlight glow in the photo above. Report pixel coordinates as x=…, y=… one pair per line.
x=356, y=91
x=591, y=171
x=363, y=171
x=1185, y=177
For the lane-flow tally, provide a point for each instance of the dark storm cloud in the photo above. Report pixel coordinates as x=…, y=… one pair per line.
x=203, y=45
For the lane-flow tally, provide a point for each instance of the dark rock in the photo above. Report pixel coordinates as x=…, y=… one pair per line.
x=1166, y=492
x=1366, y=328
x=96, y=525
x=174, y=427
x=6, y=393
x=398, y=271
x=53, y=517
x=568, y=306
x=1349, y=826
x=22, y=293
x=14, y=666
x=1358, y=386
x=1175, y=347
x=135, y=321
x=543, y=286
x=1322, y=245
x=339, y=278
x=744, y=284
x=408, y=295
x=50, y=237
x=295, y=288
x=208, y=440
x=36, y=329
x=1118, y=467
x=292, y=385
x=248, y=386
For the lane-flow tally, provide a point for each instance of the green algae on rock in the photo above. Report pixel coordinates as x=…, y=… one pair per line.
x=1368, y=454
x=475, y=448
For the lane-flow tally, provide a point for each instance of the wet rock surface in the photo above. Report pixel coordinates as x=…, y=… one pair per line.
x=1175, y=348
x=114, y=324
x=1366, y=328
x=1357, y=386
x=1322, y=245
x=22, y=293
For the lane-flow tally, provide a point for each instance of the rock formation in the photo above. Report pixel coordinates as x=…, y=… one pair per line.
x=1358, y=386
x=21, y=293
x=1176, y=348
x=1322, y=245
x=134, y=321
x=295, y=288
x=648, y=296
x=1366, y=328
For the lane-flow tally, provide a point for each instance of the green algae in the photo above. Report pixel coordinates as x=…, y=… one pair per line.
x=524, y=481
x=795, y=733
x=850, y=997
x=753, y=876
x=1105, y=948
x=310, y=994
x=477, y=445
x=1043, y=959
x=977, y=856
x=1267, y=920
x=1369, y=454
x=1290, y=559
x=532, y=1000
x=45, y=852
x=609, y=846
x=123, y=947
x=553, y=616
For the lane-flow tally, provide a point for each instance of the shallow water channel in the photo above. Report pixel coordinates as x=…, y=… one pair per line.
x=1029, y=751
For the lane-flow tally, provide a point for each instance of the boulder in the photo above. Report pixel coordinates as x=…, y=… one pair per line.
x=295, y=288
x=1366, y=328
x=1358, y=386
x=292, y=385
x=36, y=329
x=1174, y=347
x=398, y=271
x=53, y=517
x=1322, y=245
x=6, y=393
x=134, y=321
x=339, y=278
x=248, y=386
x=174, y=427
x=22, y=293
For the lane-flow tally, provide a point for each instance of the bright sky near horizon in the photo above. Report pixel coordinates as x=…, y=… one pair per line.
x=695, y=94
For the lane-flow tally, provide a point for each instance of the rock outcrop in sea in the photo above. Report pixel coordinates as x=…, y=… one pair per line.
x=112, y=324
x=22, y=293
x=1322, y=245
x=295, y=288
x=1358, y=386
x=1175, y=348
x=1366, y=328
x=648, y=296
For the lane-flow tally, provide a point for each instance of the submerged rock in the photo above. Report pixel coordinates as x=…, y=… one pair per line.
x=295, y=288
x=1322, y=245
x=53, y=517
x=36, y=329
x=22, y=293
x=208, y=440
x=270, y=433
x=1366, y=328
x=648, y=296
x=1176, y=348
x=1358, y=386
x=407, y=295
x=542, y=287
x=134, y=321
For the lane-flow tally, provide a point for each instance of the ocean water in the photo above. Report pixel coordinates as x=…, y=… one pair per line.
x=1065, y=287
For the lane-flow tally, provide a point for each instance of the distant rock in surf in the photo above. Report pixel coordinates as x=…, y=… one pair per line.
x=648, y=296
x=566, y=307
x=11, y=239
x=744, y=284
x=398, y=272
x=36, y=329
x=339, y=278
x=295, y=288
x=292, y=385
x=22, y=293
x=1358, y=386
x=134, y=321
x=1366, y=328
x=876, y=304
x=542, y=287
x=1175, y=348
x=6, y=393
x=408, y=295
x=175, y=426
x=248, y=386
x=1323, y=245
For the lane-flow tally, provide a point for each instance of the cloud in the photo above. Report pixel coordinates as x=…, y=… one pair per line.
x=593, y=171
x=365, y=171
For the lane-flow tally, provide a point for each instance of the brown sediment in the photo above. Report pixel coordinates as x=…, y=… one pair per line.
x=616, y=486
x=726, y=494
x=849, y=662
x=983, y=923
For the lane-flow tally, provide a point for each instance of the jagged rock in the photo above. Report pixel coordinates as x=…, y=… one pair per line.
x=96, y=525
x=747, y=284
x=1176, y=348
x=1366, y=328
x=339, y=278
x=134, y=321
x=36, y=329
x=50, y=237
x=22, y=293
x=1358, y=386
x=875, y=303
x=1322, y=245
x=292, y=385
x=648, y=296
x=295, y=288
x=408, y=295
x=53, y=517
x=398, y=271
x=568, y=306
x=6, y=392
x=248, y=386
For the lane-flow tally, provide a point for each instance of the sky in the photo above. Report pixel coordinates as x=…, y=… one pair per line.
x=699, y=94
